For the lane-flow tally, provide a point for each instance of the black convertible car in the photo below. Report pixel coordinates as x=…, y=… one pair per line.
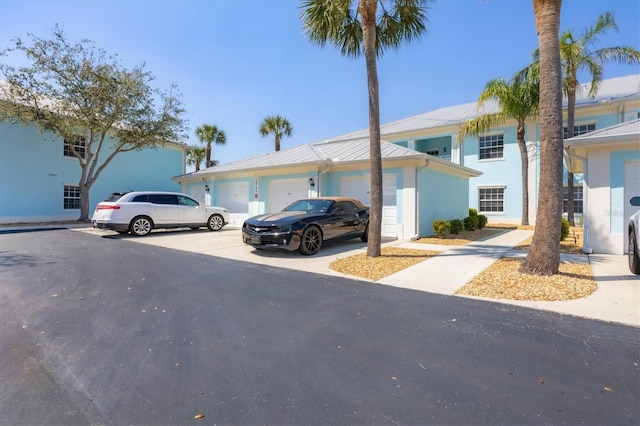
x=306, y=224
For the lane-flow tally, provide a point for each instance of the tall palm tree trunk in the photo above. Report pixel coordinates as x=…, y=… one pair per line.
x=208, y=155
x=524, y=165
x=544, y=254
x=571, y=108
x=367, y=10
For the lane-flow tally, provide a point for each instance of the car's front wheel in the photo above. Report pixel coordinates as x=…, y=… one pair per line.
x=215, y=222
x=141, y=226
x=311, y=240
x=634, y=257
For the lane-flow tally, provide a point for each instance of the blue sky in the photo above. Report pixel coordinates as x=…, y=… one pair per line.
x=238, y=61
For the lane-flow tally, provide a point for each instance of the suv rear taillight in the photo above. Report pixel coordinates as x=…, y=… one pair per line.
x=104, y=207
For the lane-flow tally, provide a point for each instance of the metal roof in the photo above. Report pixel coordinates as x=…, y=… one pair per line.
x=319, y=153
x=618, y=88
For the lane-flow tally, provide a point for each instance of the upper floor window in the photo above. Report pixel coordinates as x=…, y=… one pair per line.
x=579, y=129
x=80, y=145
x=490, y=147
x=71, y=197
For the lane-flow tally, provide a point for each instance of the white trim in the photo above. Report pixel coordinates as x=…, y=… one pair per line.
x=491, y=186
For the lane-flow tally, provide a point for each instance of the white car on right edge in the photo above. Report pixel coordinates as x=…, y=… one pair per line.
x=634, y=238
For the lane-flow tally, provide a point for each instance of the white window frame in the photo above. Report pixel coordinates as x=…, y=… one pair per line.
x=79, y=143
x=576, y=129
x=71, y=194
x=481, y=200
x=490, y=136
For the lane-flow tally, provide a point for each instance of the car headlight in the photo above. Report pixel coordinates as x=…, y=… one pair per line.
x=283, y=228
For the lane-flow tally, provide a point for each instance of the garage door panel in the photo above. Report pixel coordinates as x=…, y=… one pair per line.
x=235, y=197
x=358, y=187
x=281, y=193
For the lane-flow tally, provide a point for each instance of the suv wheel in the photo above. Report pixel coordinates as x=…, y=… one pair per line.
x=141, y=226
x=215, y=222
x=634, y=258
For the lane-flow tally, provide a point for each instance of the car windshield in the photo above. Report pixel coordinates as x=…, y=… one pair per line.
x=315, y=206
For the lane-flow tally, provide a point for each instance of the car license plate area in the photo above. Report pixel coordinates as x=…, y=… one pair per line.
x=252, y=239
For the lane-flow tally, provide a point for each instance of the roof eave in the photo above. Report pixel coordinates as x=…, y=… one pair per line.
x=438, y=164
x=599, y=139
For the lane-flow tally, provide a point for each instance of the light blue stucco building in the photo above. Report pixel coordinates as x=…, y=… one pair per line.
x=39, y=179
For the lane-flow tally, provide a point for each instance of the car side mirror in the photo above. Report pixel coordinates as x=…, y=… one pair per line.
x=635, y=201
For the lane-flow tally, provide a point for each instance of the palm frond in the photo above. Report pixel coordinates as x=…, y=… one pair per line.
x=482, y=124
x=276, y=125
x=623, y=54
x=337, y=22
x=606, y=21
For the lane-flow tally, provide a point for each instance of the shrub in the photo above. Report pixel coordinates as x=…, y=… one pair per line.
x=482, y=221
x=564, y=229
x=471, y=223
x=456, y=226
x=441, y=228
x=473, y=212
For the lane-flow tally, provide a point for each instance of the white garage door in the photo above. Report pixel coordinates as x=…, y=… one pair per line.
x=281, y=193
x=631, y=189
x=234, y=196
x=358, y=187
x=198, y=193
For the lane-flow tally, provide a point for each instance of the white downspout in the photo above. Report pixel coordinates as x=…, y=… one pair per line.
x=417, y=201
x=585, y=201
x=327, y=167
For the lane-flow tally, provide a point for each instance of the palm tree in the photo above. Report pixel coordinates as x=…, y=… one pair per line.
x=195, y=155
x=276, y=126
x=544, y=254
x=518, y=100
x=353, y=27
x=208, y=134
x=578, y=54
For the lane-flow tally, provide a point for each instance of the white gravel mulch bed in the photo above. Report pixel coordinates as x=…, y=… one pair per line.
x=500, y=281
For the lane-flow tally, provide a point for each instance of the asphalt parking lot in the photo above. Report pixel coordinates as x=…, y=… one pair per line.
x=99, y=329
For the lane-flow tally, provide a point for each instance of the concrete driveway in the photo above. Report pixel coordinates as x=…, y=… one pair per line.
x=227, y=243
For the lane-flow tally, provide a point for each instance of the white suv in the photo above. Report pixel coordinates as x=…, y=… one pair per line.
x=140, y=212
x=634, y=238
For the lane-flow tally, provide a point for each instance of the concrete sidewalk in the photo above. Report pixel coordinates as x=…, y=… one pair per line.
x=617, y=298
